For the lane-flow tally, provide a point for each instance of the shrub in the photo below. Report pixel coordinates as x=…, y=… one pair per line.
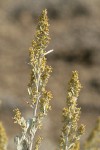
x=40, y=102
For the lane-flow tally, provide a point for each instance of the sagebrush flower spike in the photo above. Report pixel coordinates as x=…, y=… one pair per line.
x=71, y=132
x=39, y=96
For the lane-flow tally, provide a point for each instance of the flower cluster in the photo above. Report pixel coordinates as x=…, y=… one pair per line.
x=19, y=119
x=3, y=138
x=39, y=96
x=38, y=142
x=71, y=132
x=40, y=71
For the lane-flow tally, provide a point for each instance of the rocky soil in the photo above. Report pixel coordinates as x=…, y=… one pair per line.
x=75, y=38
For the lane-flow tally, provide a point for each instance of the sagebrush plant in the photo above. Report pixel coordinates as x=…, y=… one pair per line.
x=40, y=102
x=40, y=97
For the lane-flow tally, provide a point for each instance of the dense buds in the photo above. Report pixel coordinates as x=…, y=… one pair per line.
x=3, y=138
x=39, y=96
x=38, y=142
x=19, y=119
x=71, y=132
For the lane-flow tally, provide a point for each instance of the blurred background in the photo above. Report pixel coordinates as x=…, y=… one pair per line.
x=75, y=38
